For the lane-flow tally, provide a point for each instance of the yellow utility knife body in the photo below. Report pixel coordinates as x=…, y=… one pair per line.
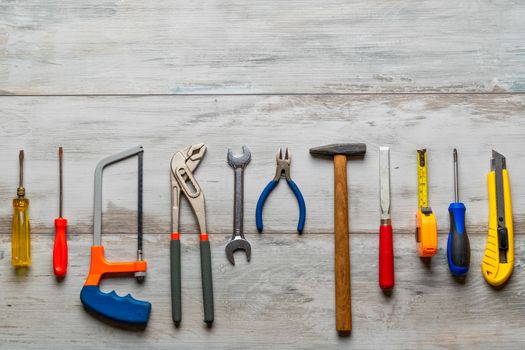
x=426, y=226
x=498, y=260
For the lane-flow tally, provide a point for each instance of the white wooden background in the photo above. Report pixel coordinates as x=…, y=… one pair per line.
x=97, y=77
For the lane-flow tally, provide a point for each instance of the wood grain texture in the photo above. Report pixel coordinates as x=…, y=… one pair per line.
x=343, y=295
x=91, y=128
x=301, y=46
x=302, y=73
x=287, y=290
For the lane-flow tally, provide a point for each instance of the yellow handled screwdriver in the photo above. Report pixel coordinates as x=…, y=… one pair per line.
x=20, y=241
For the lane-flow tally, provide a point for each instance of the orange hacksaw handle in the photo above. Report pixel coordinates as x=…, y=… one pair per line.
x=100, y=266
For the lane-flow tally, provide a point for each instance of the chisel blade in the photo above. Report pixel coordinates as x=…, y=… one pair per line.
x=384, y=182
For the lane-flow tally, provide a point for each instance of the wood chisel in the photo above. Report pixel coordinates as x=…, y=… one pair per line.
x=60, y=254
x=426, y=226
x=21, y=230
x=386, y=245
x=458, y=245
x=498, y=261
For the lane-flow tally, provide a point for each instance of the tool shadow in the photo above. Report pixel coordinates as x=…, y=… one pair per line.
x=127, y=327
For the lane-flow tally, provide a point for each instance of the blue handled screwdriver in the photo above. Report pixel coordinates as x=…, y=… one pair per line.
x=458, y=246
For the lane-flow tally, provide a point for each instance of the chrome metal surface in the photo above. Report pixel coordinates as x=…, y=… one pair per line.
x=384, y=182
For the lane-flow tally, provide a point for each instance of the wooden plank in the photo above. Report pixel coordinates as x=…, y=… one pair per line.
x=300, y=46
x=286, y=291
x=91, y=128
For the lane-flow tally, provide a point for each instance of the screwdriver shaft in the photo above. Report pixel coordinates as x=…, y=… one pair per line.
x=456, y=182
x=21, y=166
x=60, y=199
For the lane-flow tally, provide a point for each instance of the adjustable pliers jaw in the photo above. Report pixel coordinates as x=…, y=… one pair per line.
x=183, y=164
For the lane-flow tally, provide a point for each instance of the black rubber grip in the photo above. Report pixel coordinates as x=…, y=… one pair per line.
x=207, y=282
x=176, y=302
x=460, y=246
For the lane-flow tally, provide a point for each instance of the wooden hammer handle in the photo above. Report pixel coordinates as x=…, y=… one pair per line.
x=343, y=307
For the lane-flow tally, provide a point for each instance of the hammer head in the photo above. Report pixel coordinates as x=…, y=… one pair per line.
x=355, y=150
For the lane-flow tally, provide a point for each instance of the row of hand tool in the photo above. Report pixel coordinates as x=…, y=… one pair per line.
x=21, y=229
x=128, y=310
x=499, y=254
x=497, y=262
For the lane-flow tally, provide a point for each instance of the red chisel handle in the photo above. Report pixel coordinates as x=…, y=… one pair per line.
x=386, y=257
x=60, y=248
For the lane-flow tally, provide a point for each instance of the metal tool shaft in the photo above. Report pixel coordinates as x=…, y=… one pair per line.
x=60, y=196
x=21, y=166
x=456, y=181
x=238, y=205
x=21, y=191
x=384, y=182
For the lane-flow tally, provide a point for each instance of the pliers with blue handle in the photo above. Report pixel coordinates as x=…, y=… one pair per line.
x=283, y=170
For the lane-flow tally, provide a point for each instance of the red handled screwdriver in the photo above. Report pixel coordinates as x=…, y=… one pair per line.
x=60, y=248
x=386, y=244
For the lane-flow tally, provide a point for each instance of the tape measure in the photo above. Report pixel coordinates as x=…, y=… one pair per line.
x=426, y=226
x=422, y=186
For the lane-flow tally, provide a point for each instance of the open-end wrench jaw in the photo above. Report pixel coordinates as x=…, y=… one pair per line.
x=238, y=243
x=239, y=161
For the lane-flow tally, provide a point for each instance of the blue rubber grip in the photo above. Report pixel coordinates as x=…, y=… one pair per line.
x=119, y=309
x=302, y=206
x=458, y=245
x=260, y=204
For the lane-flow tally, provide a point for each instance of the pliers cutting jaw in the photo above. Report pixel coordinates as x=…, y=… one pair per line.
x=283, y=165
x=182, y=166
x=282, y=170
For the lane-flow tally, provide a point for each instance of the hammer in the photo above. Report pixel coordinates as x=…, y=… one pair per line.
x=340, y=153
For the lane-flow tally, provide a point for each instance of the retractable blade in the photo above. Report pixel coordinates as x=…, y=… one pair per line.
x=498, y=261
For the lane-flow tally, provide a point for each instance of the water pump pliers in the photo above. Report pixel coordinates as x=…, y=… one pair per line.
x=183, y=164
